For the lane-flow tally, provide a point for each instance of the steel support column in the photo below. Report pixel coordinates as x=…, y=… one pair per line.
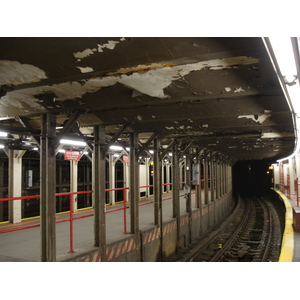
x=206, y=199
x=157, y=183
x=74, y=182
x=111, y=179
x=217, y=179
x=134, y=190
x=212, y=179
x=188, y=182
x=158, y=193
x=15, y=184
x=198, y=195
x=175, y=192
x=48, y=188
x=99, y=190
x=188, y=193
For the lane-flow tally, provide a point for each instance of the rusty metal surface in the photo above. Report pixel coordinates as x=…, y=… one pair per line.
x=220, y=92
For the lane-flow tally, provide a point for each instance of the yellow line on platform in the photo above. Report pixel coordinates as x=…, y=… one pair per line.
x=287, y=247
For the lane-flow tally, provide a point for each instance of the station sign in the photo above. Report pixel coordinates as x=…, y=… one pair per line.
x=125, y=159
x=196, y=174
x=72, y=155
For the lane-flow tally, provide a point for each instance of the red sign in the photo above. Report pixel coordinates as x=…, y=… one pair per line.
x=72, y=155
x=125, y=159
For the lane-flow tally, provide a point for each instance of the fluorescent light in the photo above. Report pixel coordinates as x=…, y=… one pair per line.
x=1, y=146
x=117, y=148
x=72, y=142
x=35, y=148
x=151, y=151
x=3, y=134
x=61, y=150
x=282, y=47
x=281, y=52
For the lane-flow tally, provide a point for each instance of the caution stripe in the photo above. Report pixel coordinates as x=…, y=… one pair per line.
x=287, y=247
x=151, y=235
x=120, y=248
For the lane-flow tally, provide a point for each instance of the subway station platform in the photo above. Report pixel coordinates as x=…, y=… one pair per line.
x=24, y=245
x=290, y=250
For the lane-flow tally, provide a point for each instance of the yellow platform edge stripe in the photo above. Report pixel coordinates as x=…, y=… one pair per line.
x=287, y=246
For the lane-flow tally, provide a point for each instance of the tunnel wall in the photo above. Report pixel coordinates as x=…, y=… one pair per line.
x=192, y=227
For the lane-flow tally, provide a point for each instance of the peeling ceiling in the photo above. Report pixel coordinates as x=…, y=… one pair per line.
x=220, y=93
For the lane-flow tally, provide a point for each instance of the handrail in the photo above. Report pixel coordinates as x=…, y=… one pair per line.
x=71, y=217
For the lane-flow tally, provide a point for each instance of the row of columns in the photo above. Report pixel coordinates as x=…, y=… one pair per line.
x=219, y=185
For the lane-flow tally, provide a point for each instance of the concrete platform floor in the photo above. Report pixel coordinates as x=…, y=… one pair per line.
x=24, y=245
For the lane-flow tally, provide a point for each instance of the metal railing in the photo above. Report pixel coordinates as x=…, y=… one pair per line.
x=72, y=218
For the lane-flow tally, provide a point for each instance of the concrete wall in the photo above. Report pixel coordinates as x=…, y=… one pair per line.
x=192, y=227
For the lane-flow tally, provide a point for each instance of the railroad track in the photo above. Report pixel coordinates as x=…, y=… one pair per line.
x=251, y=234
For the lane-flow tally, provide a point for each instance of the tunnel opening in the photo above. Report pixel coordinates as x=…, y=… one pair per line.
x=252, y=177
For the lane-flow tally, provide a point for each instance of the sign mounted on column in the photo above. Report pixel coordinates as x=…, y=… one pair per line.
x=72, y=155
x=196, y=174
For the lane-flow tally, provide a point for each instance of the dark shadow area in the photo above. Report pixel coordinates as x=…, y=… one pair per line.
x=252, y=177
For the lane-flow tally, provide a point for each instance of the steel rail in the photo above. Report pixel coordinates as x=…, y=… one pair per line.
x=241, y=227
x=270, y=233
x=192, y=254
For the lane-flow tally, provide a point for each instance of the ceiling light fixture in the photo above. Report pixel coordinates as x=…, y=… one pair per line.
x=117, y=148
x=72, y=142
x=284, y=55
x=3, y=134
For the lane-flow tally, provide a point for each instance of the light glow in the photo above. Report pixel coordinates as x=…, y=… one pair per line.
x=117, y=148
x=286, y=71
x=72, y=142
x=3, y=134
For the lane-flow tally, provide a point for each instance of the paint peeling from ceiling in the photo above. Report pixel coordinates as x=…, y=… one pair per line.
x=87, y=52
x=151, y=82
x=256, y=118
x=14, y=73
x=26, y=102
x=273, y=135
x=85, y=69
x=239, y=90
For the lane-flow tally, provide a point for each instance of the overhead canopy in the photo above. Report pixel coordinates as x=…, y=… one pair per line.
x=220, y=93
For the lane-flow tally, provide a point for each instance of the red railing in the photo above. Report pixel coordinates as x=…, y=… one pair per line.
x=72, y=218
x=297, y=191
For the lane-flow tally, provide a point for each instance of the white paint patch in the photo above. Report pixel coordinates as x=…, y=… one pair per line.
x=85, y=53
x=63, y=91
x=85, y=69
x=273, y=135
x=258, y=119
x=151, y=83
x=239, y=90
x=14, y=73
x=109, y=45
x=20, y=100
x=154, y=81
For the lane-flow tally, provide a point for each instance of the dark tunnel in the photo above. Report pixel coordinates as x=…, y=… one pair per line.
x=252, y=177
